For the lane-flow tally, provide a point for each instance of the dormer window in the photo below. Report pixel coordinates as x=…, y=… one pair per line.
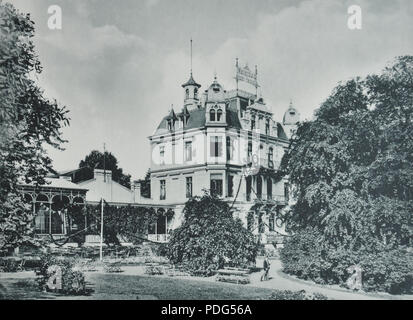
x=219, y=115
x=170, y=125
x=253, y=123
x=212, y=115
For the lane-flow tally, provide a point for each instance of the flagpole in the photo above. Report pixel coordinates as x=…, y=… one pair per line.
x=101, y=231
x=104, y=162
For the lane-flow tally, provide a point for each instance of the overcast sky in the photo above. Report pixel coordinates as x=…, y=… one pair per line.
x=119, y=65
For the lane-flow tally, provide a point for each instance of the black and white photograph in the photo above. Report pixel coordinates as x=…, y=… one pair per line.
x=229, y=151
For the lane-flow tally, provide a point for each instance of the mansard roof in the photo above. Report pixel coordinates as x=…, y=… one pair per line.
x=197, y=120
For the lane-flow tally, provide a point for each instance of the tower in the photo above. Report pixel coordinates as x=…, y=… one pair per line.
x=191, y=90
x=215, y=107
x=290, y=120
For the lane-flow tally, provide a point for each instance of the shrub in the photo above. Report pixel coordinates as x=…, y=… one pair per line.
x=10, y=265
x=154, y=270
x=72, y=280
x=112, y=267
x=308, y=256
x=233, y=279
x=161, y=249
x=210, y=238
x=390, y=271
x=296, y=295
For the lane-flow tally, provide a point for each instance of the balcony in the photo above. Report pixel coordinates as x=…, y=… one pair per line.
x=274, y=199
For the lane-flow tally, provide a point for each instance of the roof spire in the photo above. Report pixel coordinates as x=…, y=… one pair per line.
x=191, y=81
x=191, y=56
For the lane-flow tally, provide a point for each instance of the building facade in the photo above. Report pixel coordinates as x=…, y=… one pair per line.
x=226, y=143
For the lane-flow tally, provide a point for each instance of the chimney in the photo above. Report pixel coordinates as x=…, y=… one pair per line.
x=136, y=188
x=100, y=173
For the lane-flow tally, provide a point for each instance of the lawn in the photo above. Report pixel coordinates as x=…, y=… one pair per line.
x=118, y=286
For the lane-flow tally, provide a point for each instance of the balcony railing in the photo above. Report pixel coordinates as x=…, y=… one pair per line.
x=162, y=238
x=279, y=199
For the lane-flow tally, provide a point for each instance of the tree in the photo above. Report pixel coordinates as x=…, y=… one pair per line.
x=146, y=185
x=210, y=237
x=351, y=167
x=98, y=160
x=28, y=122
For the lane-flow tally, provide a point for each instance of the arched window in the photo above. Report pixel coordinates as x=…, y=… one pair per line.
x=270, y=157
x=170, y=125
x=59, y=202
x=212, y=115
x=187, y=94
x=219, y=115
x=196, y=93
x=42, y=198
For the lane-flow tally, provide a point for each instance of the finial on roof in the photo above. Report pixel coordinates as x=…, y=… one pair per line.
x=191, y=56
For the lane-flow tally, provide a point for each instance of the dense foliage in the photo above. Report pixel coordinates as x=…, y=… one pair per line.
x=351, y=168
x=210, y=238
x=28, y=122
x=128, y=222
x=99, y=160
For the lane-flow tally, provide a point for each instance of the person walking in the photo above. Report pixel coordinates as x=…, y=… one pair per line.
x=266, y=266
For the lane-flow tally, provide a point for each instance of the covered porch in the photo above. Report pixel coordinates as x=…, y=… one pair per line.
x=160, y=230
x=49, y=205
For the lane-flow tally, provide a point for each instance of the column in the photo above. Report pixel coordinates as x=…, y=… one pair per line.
x=50, y=216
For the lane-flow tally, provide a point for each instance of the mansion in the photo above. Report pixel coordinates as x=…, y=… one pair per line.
x=226, y=143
